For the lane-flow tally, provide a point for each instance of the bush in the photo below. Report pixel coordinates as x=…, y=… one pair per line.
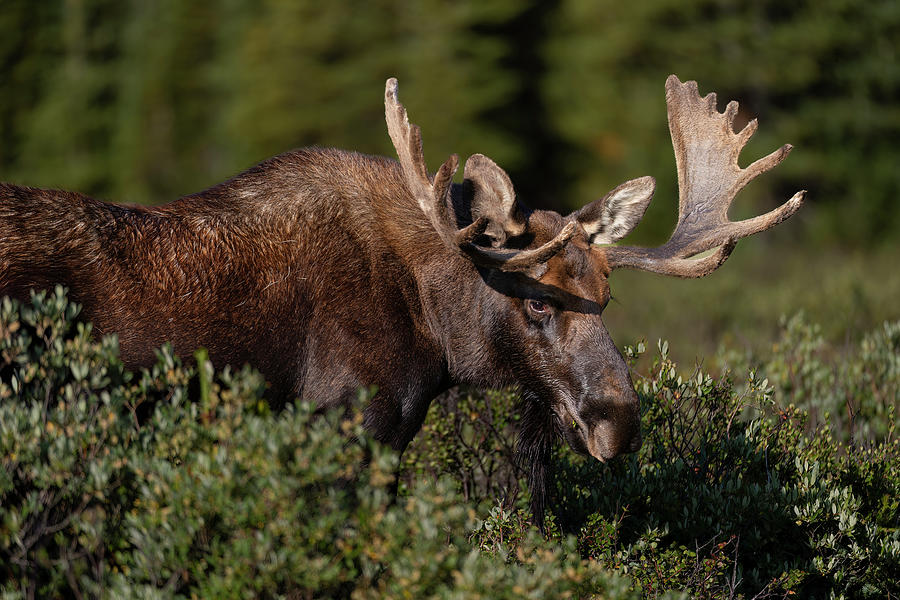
x=177, y=482
x=730, y=495
x=469, y=436
x=733, y=495
x=856, y=391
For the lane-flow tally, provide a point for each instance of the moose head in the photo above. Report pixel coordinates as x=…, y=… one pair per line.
x=549, y=273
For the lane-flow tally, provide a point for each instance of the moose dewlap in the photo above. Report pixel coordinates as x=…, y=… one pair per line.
x=330, y=270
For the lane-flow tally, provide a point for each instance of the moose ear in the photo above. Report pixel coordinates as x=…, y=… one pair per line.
x=491, y=195
x=614, y=216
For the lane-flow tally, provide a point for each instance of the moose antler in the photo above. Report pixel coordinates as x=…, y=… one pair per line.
x=706, y=156
x=432, y=194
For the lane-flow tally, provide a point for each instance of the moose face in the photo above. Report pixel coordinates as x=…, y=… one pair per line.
x=553, y=339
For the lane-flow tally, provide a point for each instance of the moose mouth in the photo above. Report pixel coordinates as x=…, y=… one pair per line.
x=576, y=434
x=598, y=440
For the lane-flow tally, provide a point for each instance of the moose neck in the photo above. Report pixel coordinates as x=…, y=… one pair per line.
x=462, y=311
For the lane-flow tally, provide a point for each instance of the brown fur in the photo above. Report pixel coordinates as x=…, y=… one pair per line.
x=309, y=281
x=320, y=268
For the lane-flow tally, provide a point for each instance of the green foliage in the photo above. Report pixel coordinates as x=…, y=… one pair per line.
x=855, y=391
x=145, y=102
x=469, y=436
x=733, y=493
x=177, y=482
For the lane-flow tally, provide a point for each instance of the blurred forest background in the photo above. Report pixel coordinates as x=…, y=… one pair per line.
x=142, y=102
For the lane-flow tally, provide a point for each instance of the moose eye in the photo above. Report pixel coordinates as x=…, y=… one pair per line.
x=537, y=308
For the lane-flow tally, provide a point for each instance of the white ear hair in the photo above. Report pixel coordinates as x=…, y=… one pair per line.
x=614, y=216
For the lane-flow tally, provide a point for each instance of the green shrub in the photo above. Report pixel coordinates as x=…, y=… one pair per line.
x=856, y=390
x=732, y=496
x=470, y=437
x=178, y=482
x=735, y=479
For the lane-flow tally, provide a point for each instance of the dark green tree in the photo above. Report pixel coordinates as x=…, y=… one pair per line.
x=311, y=73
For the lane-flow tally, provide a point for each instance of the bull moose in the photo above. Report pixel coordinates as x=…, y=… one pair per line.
x=331, y=270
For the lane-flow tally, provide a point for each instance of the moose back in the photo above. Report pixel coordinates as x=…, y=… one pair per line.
x=330, y=270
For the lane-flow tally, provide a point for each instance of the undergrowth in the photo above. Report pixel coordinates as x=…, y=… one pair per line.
x=177, y=481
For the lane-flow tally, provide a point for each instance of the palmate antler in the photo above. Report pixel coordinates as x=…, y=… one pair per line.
x=709, y=178
x=432, y=195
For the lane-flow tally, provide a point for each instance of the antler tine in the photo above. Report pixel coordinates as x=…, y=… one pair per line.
x=709, y=178
x=512, y=260
x=432, y=196
x=407, y=139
